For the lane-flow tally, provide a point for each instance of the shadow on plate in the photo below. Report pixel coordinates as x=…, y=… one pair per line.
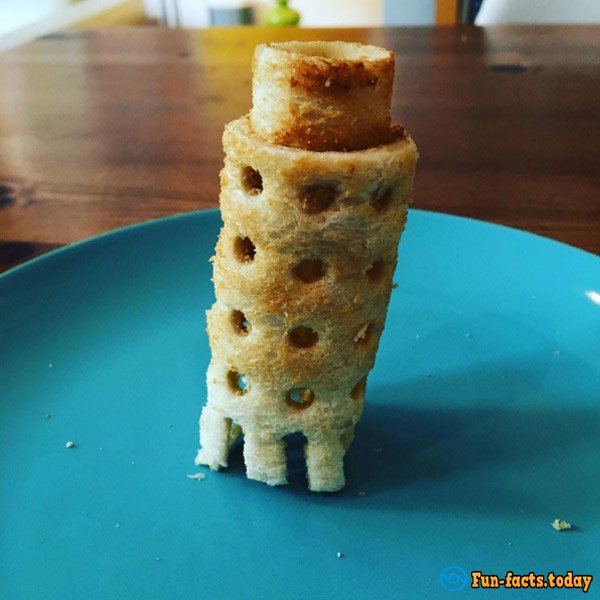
x=414, y=449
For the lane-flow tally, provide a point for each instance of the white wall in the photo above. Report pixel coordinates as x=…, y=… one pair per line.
x=25, y=20
x=497, y=12
x=337, y=13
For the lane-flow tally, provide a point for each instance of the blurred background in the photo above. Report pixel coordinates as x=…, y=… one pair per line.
x=27, y=19
x=122, y=122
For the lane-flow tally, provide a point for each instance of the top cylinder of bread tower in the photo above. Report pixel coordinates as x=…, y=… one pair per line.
x=323, y=95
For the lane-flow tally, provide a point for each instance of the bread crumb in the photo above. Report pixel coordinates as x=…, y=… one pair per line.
x=468, y=335
x=50, y=365
x=560, y=525
x=117, y=525
x=197, y=476
x=157, y=559
x=70, y=444
x=340, y=555
x=361, y=336
x=47, y=416
x=361, y=494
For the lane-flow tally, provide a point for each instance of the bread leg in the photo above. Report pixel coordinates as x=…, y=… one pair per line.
x=265, y=459
x=215, y=431
x=325, y=462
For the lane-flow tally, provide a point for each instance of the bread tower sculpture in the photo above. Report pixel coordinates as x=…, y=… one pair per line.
x=314, y=194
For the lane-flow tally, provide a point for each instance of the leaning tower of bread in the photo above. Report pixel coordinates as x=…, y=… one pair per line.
x=314, y=194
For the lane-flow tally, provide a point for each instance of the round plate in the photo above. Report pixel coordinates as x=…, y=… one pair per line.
x=481, y=427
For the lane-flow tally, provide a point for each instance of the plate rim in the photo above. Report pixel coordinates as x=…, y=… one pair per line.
x=74, y=246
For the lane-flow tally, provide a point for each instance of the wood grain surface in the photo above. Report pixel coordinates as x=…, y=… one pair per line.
x=103, y=128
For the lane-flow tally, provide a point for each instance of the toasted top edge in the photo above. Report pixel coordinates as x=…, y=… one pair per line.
x=333, y=51
x=240, y=133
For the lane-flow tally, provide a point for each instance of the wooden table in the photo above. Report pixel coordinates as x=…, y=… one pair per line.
x=104, y=128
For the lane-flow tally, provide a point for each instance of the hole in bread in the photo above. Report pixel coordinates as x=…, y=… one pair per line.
x=376, y=271
x=303, y=337
x=241, y=325
x=309, y=270
x=237, y=382
x=364, y=335
x=358, y=391
x=296, y=460
x=235, y=432
x=300, y=398
x=382, y=199
x=252, y=181
x=317, y=198
x=244, y=249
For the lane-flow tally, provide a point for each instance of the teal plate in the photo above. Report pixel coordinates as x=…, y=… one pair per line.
x=482, y=426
